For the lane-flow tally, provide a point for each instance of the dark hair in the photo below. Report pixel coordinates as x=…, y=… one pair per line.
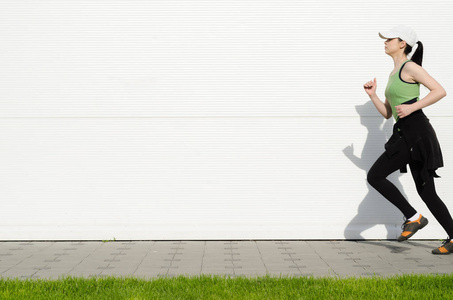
x=417, y=57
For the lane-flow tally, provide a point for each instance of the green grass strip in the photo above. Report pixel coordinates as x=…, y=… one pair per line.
x=219, y=287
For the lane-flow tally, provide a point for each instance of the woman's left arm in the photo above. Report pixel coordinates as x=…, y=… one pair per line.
x=437, y=92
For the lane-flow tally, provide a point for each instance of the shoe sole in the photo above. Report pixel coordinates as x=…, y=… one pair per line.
x=441, y=253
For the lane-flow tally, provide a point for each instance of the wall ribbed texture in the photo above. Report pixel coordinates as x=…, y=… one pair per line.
x=205, y=119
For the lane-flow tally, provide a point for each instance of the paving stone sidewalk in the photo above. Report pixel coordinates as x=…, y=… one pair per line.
x=150, y=259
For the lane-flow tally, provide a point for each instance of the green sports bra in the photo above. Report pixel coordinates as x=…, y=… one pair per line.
x=399, y=91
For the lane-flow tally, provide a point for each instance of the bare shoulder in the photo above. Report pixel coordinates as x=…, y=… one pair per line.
x=420, y=75
x=415, y=73
x=413, y=68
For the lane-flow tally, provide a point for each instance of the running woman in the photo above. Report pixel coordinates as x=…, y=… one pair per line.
x=414, y=141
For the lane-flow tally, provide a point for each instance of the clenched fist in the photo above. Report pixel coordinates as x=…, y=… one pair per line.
x=370, y=87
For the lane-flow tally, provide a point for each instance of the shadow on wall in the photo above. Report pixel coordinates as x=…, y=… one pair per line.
x=374, y=209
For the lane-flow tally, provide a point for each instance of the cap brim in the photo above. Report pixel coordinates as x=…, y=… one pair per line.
x=387, y=35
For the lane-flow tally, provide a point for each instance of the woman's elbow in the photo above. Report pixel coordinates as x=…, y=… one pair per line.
x=439, y=94
x=388, y=115
x=442, y=93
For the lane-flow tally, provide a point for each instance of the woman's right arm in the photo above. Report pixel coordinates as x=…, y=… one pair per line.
x=383, y=108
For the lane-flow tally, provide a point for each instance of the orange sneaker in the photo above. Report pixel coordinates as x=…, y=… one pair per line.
x=410, y=228
x=446, y=248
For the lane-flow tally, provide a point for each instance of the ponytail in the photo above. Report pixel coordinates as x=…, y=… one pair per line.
x=417, y=57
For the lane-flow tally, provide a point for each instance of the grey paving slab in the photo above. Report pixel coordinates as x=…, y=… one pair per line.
x=150, y=259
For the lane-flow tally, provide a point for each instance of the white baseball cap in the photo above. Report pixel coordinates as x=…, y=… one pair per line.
x=403, y=32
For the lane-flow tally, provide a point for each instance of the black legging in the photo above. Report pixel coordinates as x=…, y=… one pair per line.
x=384, y=166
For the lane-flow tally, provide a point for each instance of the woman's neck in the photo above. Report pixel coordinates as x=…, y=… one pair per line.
x=399, y=59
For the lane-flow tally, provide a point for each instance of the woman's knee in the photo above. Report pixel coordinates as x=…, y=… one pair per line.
x=373, y=178
x=427, y=192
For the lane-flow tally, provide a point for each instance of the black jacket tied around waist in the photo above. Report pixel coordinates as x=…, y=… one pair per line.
x=416, y=133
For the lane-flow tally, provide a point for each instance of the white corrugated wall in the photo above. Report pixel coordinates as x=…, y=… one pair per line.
x=195, y=119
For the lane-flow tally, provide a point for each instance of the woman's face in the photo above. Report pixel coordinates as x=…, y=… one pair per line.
x=393, y=46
